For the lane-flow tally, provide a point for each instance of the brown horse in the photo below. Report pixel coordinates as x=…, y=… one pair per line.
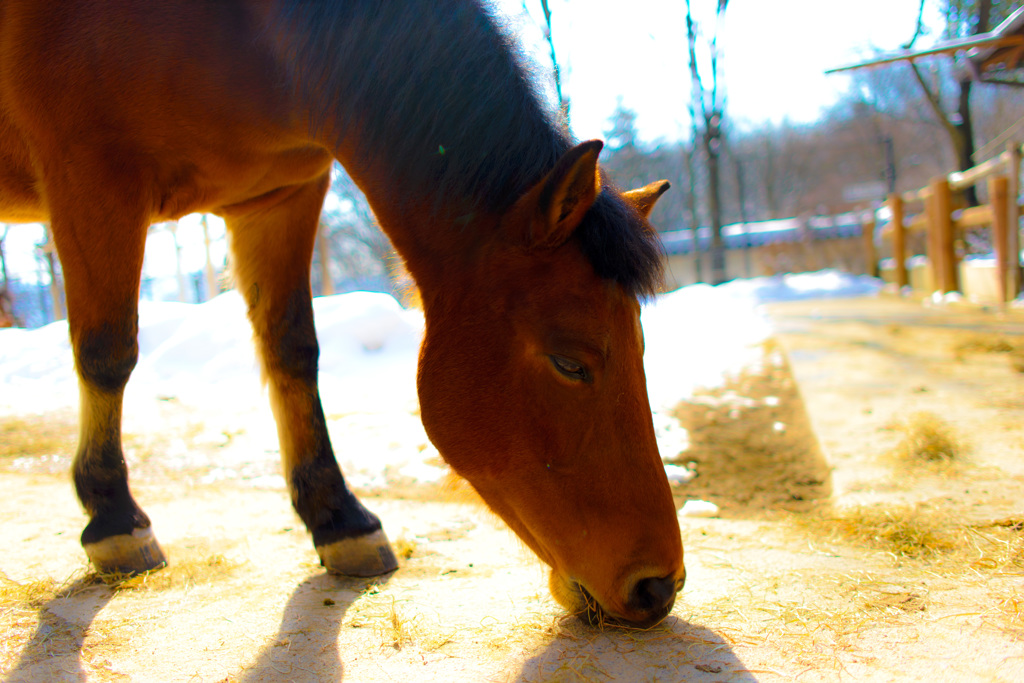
x=117, y=114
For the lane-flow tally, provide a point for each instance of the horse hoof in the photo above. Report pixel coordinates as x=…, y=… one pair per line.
x=132, y=553
x=369, y=555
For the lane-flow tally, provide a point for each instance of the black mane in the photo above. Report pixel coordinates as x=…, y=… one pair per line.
x=440, y=87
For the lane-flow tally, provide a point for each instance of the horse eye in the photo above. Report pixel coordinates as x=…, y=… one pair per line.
x=571, y=369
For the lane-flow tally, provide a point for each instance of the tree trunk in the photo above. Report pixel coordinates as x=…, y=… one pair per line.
x=965, y=129
x=7, y=318
x=691, y=205
x=3, y=261
x=323, y=246
x=961, y=130
x=741, y=191
x=179, y=274
x=965, y=126
x=712, y=147
x=212, y=286
x=56, y=287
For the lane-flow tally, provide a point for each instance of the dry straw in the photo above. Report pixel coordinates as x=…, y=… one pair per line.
x=36, y=436
x=927, y=438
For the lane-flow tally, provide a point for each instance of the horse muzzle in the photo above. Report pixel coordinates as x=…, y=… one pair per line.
x=650, y=601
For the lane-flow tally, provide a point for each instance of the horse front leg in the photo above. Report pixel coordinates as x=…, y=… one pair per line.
x=272, y=248
x=101, y=245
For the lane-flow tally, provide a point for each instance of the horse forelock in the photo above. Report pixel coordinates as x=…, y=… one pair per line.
x=440, y=91
x=622, y=246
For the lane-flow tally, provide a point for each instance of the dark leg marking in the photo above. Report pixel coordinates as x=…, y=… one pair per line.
x=349, y=538
x=119, y=534
x=106, y=357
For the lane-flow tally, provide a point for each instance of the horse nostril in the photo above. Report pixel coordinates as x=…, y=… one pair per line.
x=654, y=594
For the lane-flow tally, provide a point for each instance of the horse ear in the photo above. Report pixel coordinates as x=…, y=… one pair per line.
x=555, y=206
x=645, y=197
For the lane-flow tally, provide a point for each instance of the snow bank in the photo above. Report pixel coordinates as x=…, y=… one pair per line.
x=201, y=357
x=825, y=284
x=695, y=336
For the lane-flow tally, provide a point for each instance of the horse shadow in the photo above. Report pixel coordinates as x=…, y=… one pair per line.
x=54, y=651
x=305, y=648
x=675, y=650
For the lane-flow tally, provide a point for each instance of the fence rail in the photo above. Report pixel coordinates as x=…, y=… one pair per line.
x=942, y=220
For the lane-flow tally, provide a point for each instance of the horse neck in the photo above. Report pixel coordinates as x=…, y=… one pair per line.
x=428, y=108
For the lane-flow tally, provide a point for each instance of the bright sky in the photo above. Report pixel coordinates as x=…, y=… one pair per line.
x=774, y=52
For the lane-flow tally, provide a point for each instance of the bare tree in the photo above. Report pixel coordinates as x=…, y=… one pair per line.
x=48, y=252
x=963, y=17
x=7, y=318
x=556, y=67
x=356, y=244
x=632, y=163
x=323, y=252
x=179, y=273
x=209, y=272
x=711, y=106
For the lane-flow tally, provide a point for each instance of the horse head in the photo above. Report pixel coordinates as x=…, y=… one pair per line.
x=532, y=387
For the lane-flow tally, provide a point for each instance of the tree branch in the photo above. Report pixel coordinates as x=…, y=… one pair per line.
x=697, y=85
x=936, y=105
x=919, y=29
x=563, y=103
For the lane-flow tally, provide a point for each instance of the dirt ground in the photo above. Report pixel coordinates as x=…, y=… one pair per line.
x=870, y=477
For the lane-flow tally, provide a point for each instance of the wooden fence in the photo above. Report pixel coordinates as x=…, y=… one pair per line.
x=941, y=218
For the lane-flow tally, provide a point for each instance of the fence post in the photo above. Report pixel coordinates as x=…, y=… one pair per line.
x=942, y=253
x=1013, y=280
x=931, y=242
x=899, y=241
x=998, y=191
x=870, y=251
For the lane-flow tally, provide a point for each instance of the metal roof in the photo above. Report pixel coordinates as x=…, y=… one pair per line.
x=993, y=57
x=995, y=63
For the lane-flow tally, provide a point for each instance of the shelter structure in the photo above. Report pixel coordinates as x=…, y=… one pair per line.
x=994, y=57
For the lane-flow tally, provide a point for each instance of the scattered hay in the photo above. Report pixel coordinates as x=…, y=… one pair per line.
x=927, y=438
x=397, y=631
x=530, y=628
x=937, y=536
x=904, y=531
x=23, y=612
x=180, y=573
x=404, y=547
x=893, y=601
x=991, y=344
x=1008, y=616
x=35, y=436
x=998, y=546
x=34, y=594
x=810, y=631
x=397, y=624
x=982, y=343
x=400, y=629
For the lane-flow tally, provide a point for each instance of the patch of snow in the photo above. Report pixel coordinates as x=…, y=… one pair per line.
x=698, y=508
x=938, y=298
x=200, y=358
x=673, y=439
x=677, y=474
x=824, y=284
